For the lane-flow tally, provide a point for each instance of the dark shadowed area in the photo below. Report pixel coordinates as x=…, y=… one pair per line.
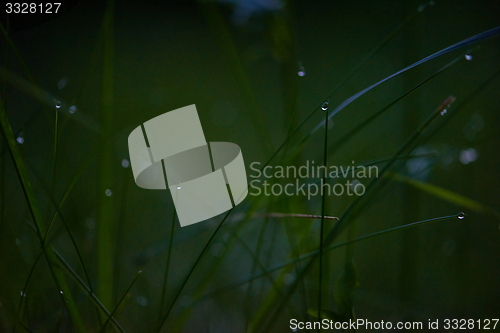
x=75, y=229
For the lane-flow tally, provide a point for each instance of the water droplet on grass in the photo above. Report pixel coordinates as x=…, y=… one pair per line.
x=301, y=71
x=468, y=57
x=443, y=112
x=20, y=138
x=125, y=163
x=324, y=107
x=461, y=216
x=58, y=104
x=72, y=109
x=179, y=187
x=23, y=294
x=468, y=155
x=109, y=192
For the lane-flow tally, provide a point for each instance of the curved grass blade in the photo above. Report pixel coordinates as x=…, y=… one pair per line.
x=445, y=194
x=466, y=42
x=263, y=322
x=351, y=74
x=327, y=248
x=342, y=140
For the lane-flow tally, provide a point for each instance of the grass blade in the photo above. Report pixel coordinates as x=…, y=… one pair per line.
x=167, y=265
x=191, y=270
x=445, y=194
x=323, y=208
x=466, y=42
x=121, y=301
x=36, y=215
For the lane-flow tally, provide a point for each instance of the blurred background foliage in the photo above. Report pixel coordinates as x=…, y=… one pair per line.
x=75, y=85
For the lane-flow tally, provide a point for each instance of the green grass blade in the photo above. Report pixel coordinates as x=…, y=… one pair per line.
x=120, y=301
x=56, y=213
x=466, y=42
x=71, y=272
x=37, y=218
x=351, y=74
x=265, y=323
x=167, y=265
x=446, y=195
x=327, y=248
x=192, y=270
x=323, y=213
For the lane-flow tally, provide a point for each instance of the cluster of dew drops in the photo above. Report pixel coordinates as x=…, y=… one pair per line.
x=301, y=72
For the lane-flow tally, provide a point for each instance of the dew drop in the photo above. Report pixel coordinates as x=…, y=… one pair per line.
x=72, y=109
x=108, y=192
x=301, y=71
x=461, y=216
x=179, y=187
x=20, y=138
x=125, y=163
x=443, y=112
x=324, y=107
x=58, y=104
x=468, y=155
x=61, y=292
x=468, y=57
x=23, y=294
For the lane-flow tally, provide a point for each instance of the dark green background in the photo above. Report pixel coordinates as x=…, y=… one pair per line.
x=162, y=55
